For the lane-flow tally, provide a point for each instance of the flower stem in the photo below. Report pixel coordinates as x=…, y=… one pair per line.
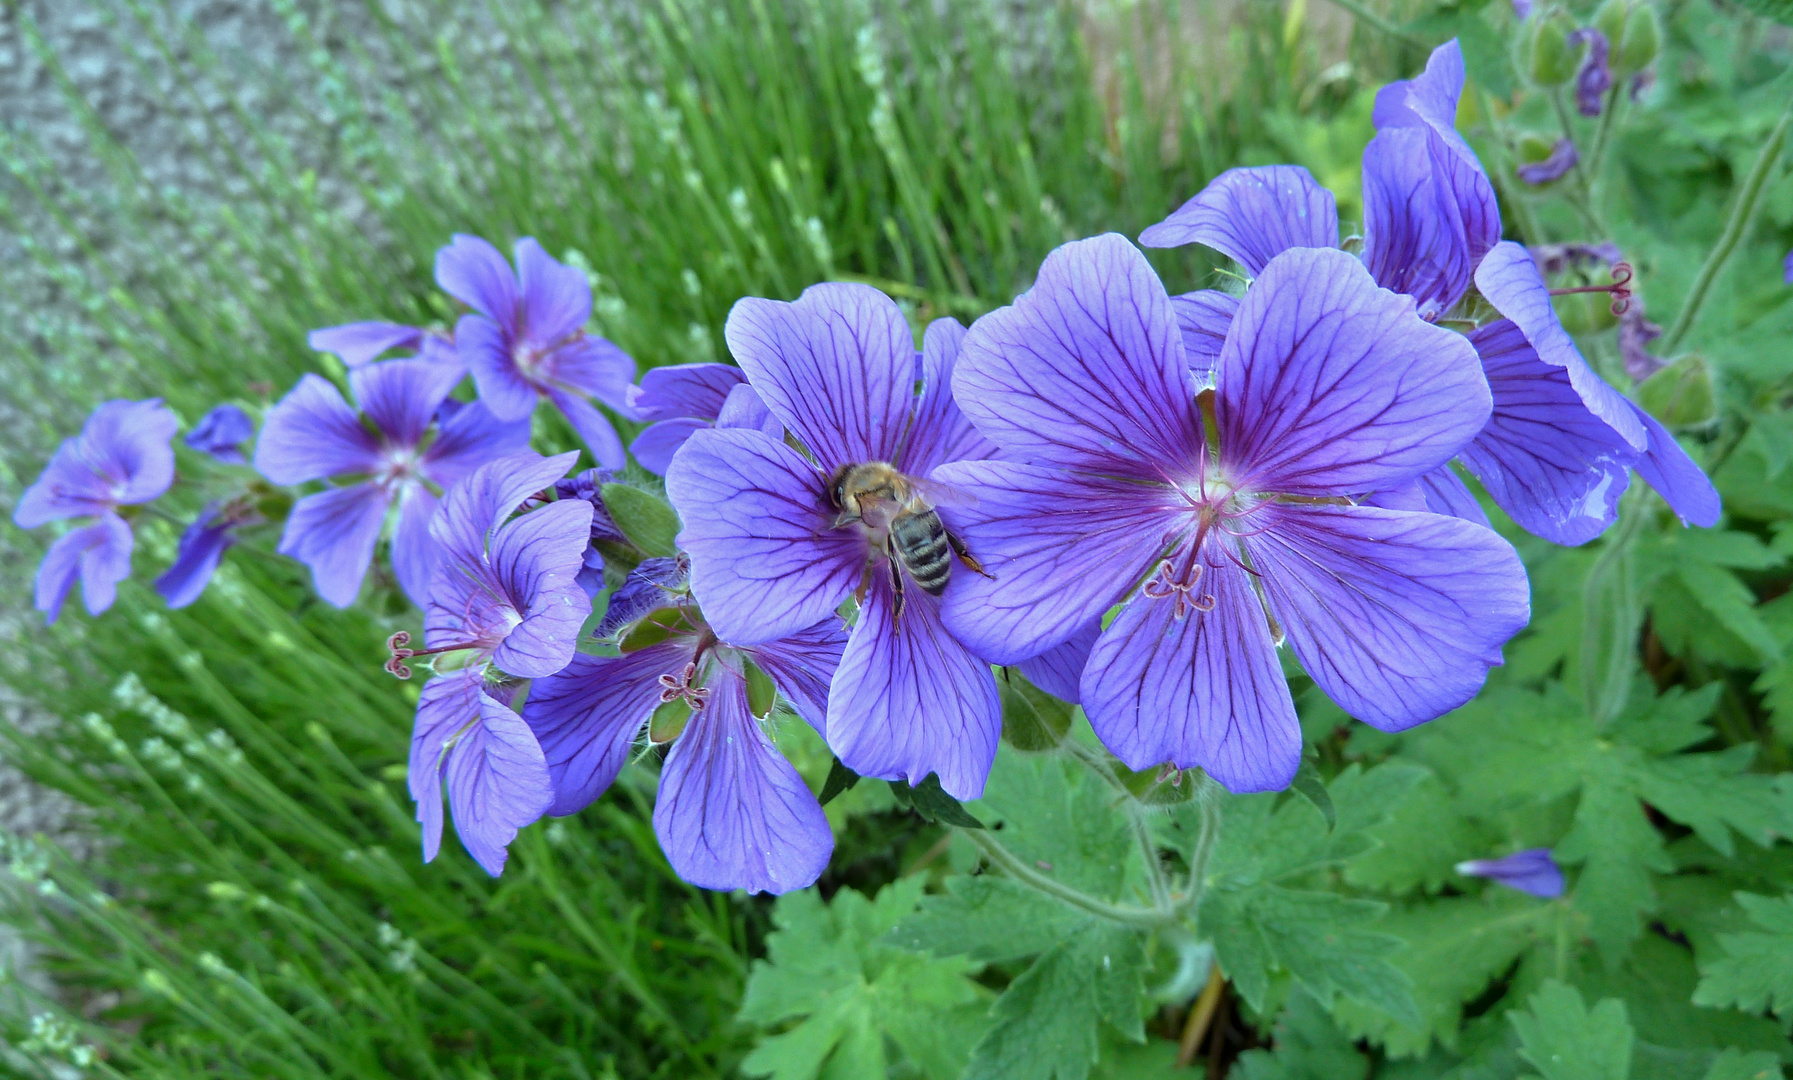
x=1583, y=199
x=1363, y=13
x=1148, y=849
x=1741, y=215
x=1143, y=918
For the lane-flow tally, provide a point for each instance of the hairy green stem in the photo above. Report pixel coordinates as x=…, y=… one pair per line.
x=1360, y=11
x=1742, y=214
x=1148, y=849
x=1604, y=685
x=1126, y=915
x=1608, y=120
x=1582, y=200
x=1204, y=841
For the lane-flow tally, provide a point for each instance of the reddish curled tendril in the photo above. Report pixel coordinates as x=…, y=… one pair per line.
x=673, y=687
x=1620, y=288
x=1165, y=584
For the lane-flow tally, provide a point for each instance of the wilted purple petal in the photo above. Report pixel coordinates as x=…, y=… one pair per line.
x=497, y=783
x=940, y=432
x=1509, y=279
x=1563, y=157
x=766, y=558
x=467, y=438
x=1667, y=468
x=333, y=532
x=1203, y=689
x=1635, y=334
x=122, y=456
x=1060, y=550
x=1204, y=317
x=360, y=342
x=556, y=298
x=401, y=396
x=1594, y=78
x=474, y=272
x=587, y=716
x=312, y=433
x=691, y=391
x=1086, y=369
x=647, y=588
x=1397, y=616
x=486, y=351
x=837, y=365
x=1532, y=871
x=413, y=549
x=1556, y=258
x=909, y=700
x=1253, y=215
x=536, y=557
x=803, y=666
x=222, y=433
x=732, y=813
x=1414, y=236
x=99, y=554
x=1059, y=670
x=202, y=544
x=1552, y=465
x=1329, y=384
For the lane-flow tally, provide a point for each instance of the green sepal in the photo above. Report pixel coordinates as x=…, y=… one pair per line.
x=840, y=778
x=649, y=523
x=655, y=627
x=1033, y=721
x=668, y=721
x=1681, y=394
x=762, y=694
x=1152, y=787
x=1311, y=786
x=932, y=803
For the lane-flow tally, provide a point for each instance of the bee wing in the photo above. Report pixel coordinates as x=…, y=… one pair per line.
x=943, y=494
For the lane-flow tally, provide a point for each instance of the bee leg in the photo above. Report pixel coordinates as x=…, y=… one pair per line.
x=966, y=557
x=896, y=581
x=843, y=519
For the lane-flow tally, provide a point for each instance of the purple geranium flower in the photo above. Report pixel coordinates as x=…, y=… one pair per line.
x=772, y=553
x=359, y=343
x=1560, y=444
x=121, y=458
x=202, y=545
x=1532, y=871
x=688, y=398
x=503, y=601
x=1563, y=157
x=1107, y=492
x=527, y=339
x=732, y=813
x=1595, y=77
x=313, y=434
x=222, y=433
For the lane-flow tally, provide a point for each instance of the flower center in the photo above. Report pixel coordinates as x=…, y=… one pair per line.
x=683, y=685
x=401, y=465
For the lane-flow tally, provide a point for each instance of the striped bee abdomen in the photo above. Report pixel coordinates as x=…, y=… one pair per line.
x=920, y=542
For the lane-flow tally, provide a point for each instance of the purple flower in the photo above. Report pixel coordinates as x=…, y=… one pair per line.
x=1522, y=9
x=503, y=602
x=121, y=458
x=1563, y=157
x=361, y=343
x=687, y=398
x=313, y=434
x=731, y=813
x=202, y=545
x=1532, y=871
x=222, y=433
x=1595, y=77
x=1327, y=388
x=773, y=553
x=1559, y=446
x=589, y=486
x=1787, y=268
x=526, y=339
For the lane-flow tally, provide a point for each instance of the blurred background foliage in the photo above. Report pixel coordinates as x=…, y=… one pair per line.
x=239, y=892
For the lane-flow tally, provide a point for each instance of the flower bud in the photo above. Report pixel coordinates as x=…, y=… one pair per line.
x=1553, y=63
x=1641, y=42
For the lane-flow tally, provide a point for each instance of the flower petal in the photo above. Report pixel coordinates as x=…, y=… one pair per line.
x=99, y=554
x=222, y=433
x=1086, y=369
x=476, y=506
x=1202, y=690
x=358, y=343
x=940, y=431
x=537, y=557
x=128, y=443
x=1397, y=616
x=594, y=428
x=1328, y=384
x=497, y=783
x=69, y=487
x=1550, y=463
x=693, y=391
x=333, y=532
x=586, y=717
x=837, y=365
x=556, y=298
x=1446, y=493
x=654, y=447
x=475, y=273
x=1414, y=239
x=1532, y=871
x=1509, y=279
x=413, y=549
x=1430, y=102
x=1059, y=670
x=312, y=433
x=401, y=396
x=1204, y=317
x=732, y=813
x=1060, y=550
x=447, y=704
x=485, y=349
x=909, y=700
x=744, y=409
x=469, y=438
x=766, y=560
x=1253, y=215
x=591, y=365
x=1667, y=468
x=803, y=665
x=202, y=544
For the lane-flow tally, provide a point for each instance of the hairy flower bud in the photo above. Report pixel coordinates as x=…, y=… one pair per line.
x=1553, y=62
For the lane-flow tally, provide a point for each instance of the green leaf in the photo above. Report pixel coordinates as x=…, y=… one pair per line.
x=648, y=522
x=1756, y=972
x=988, y=918
x=1734, y=1064
x=829, y=970
x=1781, y=11
x=932, y=802
x=1307, y=1046
x=1032, y=720
x=1046, y=1021
x=840, y=778
x=1310, y=786
x=1421, y=843
x=1564, y=1040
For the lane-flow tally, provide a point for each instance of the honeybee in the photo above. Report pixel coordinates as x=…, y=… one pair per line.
x=878, y=495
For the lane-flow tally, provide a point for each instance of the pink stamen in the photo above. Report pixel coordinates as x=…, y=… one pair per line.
x=674, y=687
